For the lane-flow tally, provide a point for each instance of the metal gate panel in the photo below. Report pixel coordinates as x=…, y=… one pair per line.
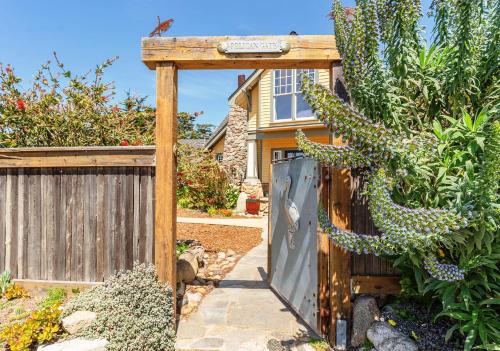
x=294, y=254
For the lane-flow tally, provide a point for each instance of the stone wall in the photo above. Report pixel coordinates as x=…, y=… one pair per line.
x=235, y=145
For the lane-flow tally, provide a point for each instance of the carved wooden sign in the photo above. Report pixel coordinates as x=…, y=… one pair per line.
x=253, y=46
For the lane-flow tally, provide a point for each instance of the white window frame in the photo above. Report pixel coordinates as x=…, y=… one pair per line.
x=294, y=92
x=277, y=155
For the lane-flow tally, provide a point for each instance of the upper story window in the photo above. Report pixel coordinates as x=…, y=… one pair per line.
x=289, y=103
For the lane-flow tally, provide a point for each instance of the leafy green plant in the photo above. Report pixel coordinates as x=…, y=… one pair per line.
x=54, y=295
x=180, y=248
x=424, y=126
x=319, y=344
x=64, y=109
x=201, y=182
x=4, y=282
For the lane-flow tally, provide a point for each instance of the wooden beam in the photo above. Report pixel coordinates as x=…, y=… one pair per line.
x=165, y=189
x=77, y=157
x=306, y=51
x=340, y=215
x=384, y=285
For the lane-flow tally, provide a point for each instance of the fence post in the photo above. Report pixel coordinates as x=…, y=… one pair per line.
x=165, y=189
x=340, y=215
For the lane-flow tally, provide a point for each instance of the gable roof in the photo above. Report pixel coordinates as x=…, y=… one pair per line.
x=248, y=83
x=221, y=129
x=217, y=134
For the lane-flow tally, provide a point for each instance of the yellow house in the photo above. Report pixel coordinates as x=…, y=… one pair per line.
x=266, y=110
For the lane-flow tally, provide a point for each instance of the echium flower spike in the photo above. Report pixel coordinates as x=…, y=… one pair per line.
x=331, y=155
x=441, y=271
x=427, y=224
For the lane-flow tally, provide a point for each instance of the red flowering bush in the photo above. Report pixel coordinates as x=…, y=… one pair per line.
x=201, y=183
x=63, y=109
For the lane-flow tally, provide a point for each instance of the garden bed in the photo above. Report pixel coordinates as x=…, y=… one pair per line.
x=217, y=238
x=185, y=212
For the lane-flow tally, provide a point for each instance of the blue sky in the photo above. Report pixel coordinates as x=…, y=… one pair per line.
x=87, y=32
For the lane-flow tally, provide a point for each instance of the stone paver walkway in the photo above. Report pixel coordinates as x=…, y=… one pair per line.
x=237, y=222
x=243, y=314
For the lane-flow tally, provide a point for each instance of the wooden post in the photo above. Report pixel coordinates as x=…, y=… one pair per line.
x=340, y=215
x=165, y=189
x=270, y=226
x=323, y=260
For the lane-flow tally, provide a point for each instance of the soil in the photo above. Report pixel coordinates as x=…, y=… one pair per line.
x=184, y=212
x=220, y=238
x=18, y=310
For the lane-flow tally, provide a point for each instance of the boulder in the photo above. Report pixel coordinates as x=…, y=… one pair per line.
x=365, y=312
x=230, y=253
x=400, y=343
x=77, y=321
x=241, y=204
x=78, y=344
x=187, y=267
x=194, y=298
x=386, y=338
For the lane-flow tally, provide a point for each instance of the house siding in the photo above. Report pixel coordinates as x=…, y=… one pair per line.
x=281, y=143
x=266, y=95
x=253, y=114
x=218, y=148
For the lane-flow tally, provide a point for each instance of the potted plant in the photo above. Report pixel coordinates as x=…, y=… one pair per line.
x=252, y=205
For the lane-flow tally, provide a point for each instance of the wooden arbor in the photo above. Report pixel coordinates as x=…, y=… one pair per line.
x=166, y=56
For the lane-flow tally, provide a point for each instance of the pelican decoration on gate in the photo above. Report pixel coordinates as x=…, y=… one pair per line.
x=291, y=212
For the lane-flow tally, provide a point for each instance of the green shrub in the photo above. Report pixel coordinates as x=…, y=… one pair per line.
x=201, y=182
x=54, y=295
x=134, y=311
x=423, y=124
x=64, y=109
x=4, y=282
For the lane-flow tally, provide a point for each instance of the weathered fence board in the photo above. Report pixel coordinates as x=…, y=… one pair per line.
x=75, y=224
x=362, y=223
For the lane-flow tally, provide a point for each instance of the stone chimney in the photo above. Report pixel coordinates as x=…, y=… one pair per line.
x=241, y=79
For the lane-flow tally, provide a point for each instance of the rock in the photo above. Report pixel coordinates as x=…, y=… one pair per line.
x=78, y=321
x=198, y=252
x=205, y=256
x=400, y=343
x=241, y=204
x=386, y=338
x=185, y=300
x=78, y=344
x=221, y=255
x=187, y=267
x=217, y=277
x=187, y=309
x=231, y=259
x=194, y=298
x=201, y=290
x=230, y=253
x=365, y=311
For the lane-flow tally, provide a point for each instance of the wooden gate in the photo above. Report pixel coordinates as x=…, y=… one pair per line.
x=317, y=278
x=294, y=259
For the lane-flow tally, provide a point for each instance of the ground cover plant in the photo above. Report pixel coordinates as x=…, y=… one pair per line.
x=134, y=311
x=423, y=125
x=28, y=321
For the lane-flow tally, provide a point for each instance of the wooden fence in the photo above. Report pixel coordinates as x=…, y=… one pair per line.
x=342, y=274
x=75, y=214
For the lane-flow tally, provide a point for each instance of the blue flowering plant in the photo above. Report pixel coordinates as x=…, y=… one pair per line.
x=421, y=122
